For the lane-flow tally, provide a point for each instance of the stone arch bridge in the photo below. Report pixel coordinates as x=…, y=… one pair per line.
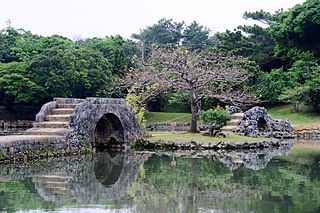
x=84, y=121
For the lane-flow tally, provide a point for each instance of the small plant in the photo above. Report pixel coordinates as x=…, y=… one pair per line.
x=218, y=116
x=138, y=103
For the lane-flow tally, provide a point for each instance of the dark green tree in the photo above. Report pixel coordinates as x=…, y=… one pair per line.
x=65, y=71
x=254, y=42
x=16, y=85
x=299, y=28
x=196, y=37
x=162, y=33
x=114, y=50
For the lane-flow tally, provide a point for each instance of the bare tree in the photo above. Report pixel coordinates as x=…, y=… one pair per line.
x=202, y=75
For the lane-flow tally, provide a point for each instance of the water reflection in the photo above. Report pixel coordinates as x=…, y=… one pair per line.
x=238, y=181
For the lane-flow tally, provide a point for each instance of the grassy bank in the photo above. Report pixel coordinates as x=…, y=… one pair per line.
x=164, y=117
x=187, y=137
x=303, y=117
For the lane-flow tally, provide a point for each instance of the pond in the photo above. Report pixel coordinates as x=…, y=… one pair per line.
x=276, y=180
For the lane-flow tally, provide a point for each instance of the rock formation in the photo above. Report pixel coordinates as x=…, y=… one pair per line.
x=256, y=122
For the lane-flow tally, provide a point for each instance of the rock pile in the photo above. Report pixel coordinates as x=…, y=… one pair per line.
x=256, y=122
x=214, y=130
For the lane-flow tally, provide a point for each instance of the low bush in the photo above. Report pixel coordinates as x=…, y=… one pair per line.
x=218, y=116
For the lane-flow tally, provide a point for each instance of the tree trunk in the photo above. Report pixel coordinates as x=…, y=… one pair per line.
x=295, y=107
x=193, y=114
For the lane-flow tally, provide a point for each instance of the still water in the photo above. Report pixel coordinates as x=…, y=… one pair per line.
x=277, y=180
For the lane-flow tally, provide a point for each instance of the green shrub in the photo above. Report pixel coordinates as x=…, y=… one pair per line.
x=138, y=104
x=218, y=115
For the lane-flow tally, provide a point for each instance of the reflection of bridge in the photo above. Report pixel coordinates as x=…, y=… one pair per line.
x=86, y=179
x=109, y=176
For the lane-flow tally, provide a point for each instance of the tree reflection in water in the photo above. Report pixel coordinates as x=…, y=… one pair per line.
x=234, y=181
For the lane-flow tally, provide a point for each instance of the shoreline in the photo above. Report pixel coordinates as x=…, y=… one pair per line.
x=196, y=145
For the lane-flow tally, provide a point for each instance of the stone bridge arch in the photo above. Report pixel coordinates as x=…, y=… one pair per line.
x=108, y=128
x=103, y=119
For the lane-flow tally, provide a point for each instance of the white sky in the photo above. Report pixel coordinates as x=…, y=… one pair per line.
x=99, y=18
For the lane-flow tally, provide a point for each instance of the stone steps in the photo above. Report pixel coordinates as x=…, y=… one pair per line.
x=62, y=111
x=237, y=116
x=51, y=124
x=233, y=123
x=51, y=178
x=54, y=187
x=228, y=128
x=56, y=184
x=69, y=106
x=56, y=123
x=61, y=118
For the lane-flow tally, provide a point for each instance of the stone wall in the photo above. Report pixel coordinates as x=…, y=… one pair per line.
x=37, y=148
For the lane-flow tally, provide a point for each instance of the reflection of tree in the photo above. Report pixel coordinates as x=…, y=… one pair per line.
x=191, y=200
x=21, y=194
x=208, y=184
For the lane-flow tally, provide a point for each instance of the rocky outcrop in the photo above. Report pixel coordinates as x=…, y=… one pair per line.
x=256, y=122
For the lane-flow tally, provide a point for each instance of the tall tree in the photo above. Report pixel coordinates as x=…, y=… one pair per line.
x=16, y=85
x=299, y=28
x=162, y=33
x=254, y=42
x=202, y=75
x=65, y=71
x=196, y=37
x=113, y=49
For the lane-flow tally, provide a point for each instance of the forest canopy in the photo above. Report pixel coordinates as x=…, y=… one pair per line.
x=282, y=57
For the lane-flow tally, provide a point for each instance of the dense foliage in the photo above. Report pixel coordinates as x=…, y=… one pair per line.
x=33, y=69
x=282, y=49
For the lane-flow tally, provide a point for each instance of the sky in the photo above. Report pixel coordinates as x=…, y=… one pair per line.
x=100, y=18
